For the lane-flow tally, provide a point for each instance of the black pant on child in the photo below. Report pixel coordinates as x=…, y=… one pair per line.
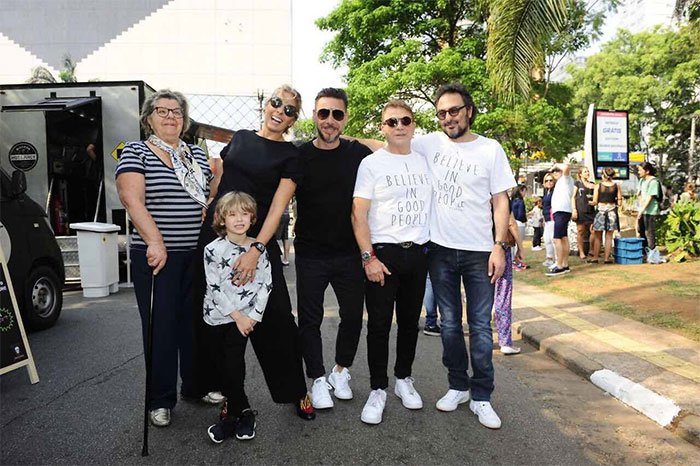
x=537, y=236
x=345, y=275
x=405, y=287
x=229, y=345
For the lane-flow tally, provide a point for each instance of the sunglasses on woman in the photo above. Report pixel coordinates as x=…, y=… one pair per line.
x=453, y=111
x=323, y=113
x=394, y=122
x=289, y=110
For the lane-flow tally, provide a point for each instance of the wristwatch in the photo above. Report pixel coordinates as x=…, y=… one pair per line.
x=367, y=256
x=259, y=246
x=503, y=244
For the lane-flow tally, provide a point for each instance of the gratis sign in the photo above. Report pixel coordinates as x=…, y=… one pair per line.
x=610, y=142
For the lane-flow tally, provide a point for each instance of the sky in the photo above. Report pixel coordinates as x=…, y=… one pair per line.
x=309, y=75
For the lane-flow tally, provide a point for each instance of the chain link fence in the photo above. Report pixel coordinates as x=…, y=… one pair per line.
x=226, y=111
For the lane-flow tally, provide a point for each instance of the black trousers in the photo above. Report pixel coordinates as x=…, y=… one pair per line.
x=275, y=339
x=172, y=323
x=230, y=345
x=347, y=278
x=537, y=236
x=405, y=287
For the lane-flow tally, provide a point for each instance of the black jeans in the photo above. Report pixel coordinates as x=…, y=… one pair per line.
x=172, y=323
x=650, y=230
x=228, y=343
x=405, y=287
x=537, y=236
x=347, y=278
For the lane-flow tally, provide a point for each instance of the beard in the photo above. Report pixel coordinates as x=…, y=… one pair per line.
x=457, y=132
x=327, y=140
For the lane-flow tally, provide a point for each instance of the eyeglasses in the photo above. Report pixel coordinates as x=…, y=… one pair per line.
x=164, y=111
x=548, y=180
x=324, y=113
x=453, y=111
x=289, y=110
x=394, y=122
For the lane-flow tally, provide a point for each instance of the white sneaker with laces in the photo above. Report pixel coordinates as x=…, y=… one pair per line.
x=409, y=396
x=549, y=263
x=452, y=399
x=214, y=398
x=160, y=417
x=320, y=394
x=487, y=416
x=339, y=382
x=372, y=412
x=509, y=350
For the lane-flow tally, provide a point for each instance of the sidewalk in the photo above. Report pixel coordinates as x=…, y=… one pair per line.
x=654, y=371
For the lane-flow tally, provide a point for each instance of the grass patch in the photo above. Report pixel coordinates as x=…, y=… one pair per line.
x=679, y=288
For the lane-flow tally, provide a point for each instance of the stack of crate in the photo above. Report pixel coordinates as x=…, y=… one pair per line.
x=629, y=251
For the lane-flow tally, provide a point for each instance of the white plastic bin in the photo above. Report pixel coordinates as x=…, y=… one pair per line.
x=98, y=255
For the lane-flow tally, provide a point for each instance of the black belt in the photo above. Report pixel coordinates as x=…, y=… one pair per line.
x=404, y=245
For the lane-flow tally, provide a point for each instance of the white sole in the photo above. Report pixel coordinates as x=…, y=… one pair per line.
x=211, y=436
x=335, y=393
x=453, y=409
x=248, y=437
x=372, y=423
x=322, y=406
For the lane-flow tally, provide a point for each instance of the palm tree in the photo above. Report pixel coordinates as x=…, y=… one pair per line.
x=516, y=29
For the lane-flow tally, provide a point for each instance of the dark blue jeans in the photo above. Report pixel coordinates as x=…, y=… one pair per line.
x=448, y=267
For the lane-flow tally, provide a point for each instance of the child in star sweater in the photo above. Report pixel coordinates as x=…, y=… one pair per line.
x=232, y=310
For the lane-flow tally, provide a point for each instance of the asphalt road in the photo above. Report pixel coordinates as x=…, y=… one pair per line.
x=87, y=409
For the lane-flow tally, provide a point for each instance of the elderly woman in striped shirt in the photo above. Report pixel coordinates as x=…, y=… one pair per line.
x=164, y=184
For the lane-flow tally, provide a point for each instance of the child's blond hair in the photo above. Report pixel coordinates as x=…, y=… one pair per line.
x=229, y=202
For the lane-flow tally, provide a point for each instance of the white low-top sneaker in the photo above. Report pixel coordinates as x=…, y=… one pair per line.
x=160, y=417
x=214, y=398
x=487, y=416
x=452, y=399
x=339, y=382
x=509, y=350
x=372, y=412
x=409, y=396
x=320, y=394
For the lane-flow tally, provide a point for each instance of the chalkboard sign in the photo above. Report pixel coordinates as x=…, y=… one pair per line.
x=14, y=351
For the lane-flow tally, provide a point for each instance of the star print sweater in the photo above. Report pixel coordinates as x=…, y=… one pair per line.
x=222, y=296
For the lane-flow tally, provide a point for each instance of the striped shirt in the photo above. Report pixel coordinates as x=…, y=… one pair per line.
x=177, y=215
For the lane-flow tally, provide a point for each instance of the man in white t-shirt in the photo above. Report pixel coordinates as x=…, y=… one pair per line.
x=561, y=211
x=390, y=218
x=470, y=175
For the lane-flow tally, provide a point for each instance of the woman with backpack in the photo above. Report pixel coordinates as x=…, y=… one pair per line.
x=649, y=193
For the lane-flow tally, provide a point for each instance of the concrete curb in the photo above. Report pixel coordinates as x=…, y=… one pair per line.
x=657, y=408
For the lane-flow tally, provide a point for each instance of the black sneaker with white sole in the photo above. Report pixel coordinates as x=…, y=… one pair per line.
x=222, y=430
x=432, y=330
x=557, y=271
x=245, y=426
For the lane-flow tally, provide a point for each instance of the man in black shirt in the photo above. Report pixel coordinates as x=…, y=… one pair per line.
x=326, y=250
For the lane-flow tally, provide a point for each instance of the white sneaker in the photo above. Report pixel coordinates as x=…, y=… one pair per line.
x=214, y=398
x=549, y=263
x=339, y=382
x=452, y=399
x=320, y=396
x=160, y=417
x=537, y=248
x=372, y=412
x=509, y=350
x=409, y=396
x=487, y=416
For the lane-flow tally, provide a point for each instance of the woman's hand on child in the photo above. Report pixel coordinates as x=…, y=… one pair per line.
x=245, y=266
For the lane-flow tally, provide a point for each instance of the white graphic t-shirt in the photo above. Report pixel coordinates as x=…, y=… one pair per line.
x=464, y=177
x=400, y=190
x=561, y=197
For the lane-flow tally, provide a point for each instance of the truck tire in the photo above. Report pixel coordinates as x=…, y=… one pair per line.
x=43, y=298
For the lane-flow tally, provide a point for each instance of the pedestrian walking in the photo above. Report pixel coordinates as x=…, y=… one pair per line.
x=390, y=218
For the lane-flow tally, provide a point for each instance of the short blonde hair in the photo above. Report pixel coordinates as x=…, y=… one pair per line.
x=397, y=103
x=229, y=202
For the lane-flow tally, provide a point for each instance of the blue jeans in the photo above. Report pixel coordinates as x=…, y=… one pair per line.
x=447, y=268
x=431, y=314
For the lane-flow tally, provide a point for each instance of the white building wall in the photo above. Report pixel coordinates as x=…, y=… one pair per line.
x=228, y=47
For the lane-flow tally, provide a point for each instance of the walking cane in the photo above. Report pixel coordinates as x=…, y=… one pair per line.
x=149, y=362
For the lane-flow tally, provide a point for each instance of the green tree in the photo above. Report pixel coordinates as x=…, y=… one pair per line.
x=656, y=77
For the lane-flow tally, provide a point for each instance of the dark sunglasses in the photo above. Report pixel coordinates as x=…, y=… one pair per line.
x=324, y=113
x=454, y=111
x=394, y=122
x=289, y=110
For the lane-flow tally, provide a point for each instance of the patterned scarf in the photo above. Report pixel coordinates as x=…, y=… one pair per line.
x=187, y=170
